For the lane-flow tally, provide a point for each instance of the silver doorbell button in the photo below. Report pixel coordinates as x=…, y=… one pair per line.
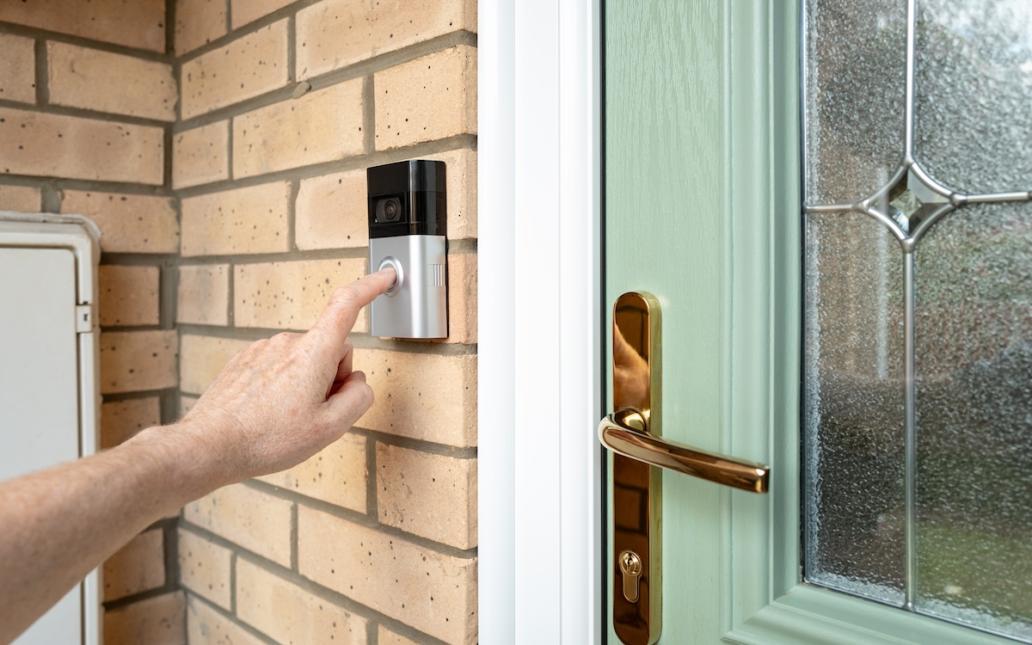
x=407, y=231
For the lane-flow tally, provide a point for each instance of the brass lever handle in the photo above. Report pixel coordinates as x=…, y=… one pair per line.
x=625, y=432
x=634, y=433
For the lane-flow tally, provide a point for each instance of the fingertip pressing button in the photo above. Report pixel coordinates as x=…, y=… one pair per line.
x=390, y=262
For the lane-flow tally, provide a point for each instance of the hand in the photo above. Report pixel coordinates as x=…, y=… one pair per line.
x=285, y=398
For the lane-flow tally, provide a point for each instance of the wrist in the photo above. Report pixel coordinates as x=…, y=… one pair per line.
x=179, y=454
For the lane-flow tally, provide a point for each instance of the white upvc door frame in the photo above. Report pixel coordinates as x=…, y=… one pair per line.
x=539, y=271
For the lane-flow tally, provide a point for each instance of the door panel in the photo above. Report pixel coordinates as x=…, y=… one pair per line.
x=703, y=209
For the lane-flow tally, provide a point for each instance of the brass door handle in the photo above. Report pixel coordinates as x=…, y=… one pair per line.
x=625, y=432
x=634, y=434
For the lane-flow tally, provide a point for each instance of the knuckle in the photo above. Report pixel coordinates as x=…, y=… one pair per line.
x=259, y=345
x=283, y=340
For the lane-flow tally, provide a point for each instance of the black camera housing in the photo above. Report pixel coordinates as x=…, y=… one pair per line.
x=407, y=198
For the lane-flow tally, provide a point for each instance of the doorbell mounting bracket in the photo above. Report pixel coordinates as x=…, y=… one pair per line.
x=407, y=231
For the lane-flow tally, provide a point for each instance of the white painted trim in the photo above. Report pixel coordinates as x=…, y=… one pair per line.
x=580, y=323
x=495, y=319
x=539, y=272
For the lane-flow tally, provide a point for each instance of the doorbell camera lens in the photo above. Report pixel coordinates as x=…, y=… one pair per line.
x=407, y=230
x=388, y=210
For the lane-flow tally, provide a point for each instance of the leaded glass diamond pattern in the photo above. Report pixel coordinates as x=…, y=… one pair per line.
x=918, y=353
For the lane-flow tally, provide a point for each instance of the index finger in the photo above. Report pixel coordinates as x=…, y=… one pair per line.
x=341, y=313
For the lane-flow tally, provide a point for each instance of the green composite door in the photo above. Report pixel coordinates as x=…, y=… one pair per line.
x=829, y=200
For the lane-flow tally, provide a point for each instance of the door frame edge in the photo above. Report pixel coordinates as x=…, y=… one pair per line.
x=539, y=259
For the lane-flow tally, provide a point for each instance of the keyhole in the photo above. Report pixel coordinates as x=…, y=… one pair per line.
x=630, y=568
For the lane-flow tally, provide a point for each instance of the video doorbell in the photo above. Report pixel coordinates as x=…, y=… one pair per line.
x=407, y=230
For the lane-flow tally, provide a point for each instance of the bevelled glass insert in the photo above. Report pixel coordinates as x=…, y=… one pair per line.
x=855, y=93
x=974, y=414
x=973, y=77
x=853, y=406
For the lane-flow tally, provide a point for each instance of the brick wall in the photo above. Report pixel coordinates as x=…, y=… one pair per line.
x=283, y=106
x=88, y=97
x=221, y=147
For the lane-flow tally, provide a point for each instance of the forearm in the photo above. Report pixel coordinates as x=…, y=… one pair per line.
x=60, y=523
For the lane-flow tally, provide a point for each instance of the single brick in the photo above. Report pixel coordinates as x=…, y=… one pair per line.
x=337, y=474
x=288, y=614
x=331, y=212
x=198, y=22
x=203, y=297
x=133, y=23
x=120, y=420
x=387, y=637
x=431, y=495
x=138, y=566
x=128, y=223
x=200, y=155
x=431, y=591
x=461, y=182
x=337, y=33
x=290, y=295
x=433, y=97
x=98, y=80
x=17, y=68
x=245, y=11
x=156, y=621
x=206, y=625
x=135, y=361
x=54, y=145
x=246, y=67
x=255, y=520
x=320, y=126
x=186, y=404
x=26, y=199
x=441, y=408
x=243, y=220
x=204, y=568
x=462, y=298
x=203, y=357
x=128, y=295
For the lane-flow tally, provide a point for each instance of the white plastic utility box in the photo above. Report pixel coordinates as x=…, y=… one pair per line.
x=48, y=375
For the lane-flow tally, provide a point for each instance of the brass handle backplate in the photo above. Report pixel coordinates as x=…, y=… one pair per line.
x=633, y=434
x=637, y=486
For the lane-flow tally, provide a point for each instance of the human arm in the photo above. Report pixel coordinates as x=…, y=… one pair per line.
x=275, y=404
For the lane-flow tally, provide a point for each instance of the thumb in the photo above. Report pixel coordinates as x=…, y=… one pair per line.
x=351, y=400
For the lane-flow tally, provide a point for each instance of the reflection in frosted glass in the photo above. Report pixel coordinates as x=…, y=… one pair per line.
x=855, y=91
x=854, y=406
x=974, y=406
x=973, y=65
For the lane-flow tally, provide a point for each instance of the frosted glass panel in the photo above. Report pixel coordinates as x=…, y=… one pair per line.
x=919, y=483
x=854, y=406
x=855, y=90
x=973, y=63
x=974, y=413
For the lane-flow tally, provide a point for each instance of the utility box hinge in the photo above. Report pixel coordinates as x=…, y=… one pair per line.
x=83, y=318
